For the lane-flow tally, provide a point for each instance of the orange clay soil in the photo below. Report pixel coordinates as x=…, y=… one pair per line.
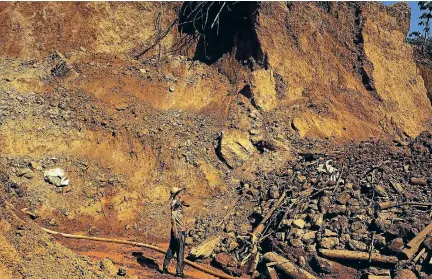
x=126, y=130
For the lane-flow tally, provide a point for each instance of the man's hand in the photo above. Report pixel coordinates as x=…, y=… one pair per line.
x=185, y=204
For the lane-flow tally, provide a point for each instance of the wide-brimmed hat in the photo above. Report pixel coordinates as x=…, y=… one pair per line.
x=175, y=190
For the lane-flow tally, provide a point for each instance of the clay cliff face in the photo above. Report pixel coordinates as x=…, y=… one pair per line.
x=338, y=70
x=34, y=30
x=346, y=66
x=426, y=73
x=346, y=69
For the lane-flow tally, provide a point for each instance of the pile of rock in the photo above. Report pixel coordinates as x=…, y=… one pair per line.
x=202, y=229
x=366, y=201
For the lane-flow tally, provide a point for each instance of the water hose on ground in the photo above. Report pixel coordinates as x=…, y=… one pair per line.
x=139, y=244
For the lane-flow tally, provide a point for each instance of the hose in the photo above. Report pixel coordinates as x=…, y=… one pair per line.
x=139, y=244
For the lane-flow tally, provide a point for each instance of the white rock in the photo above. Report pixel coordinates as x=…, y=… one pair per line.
x=57, y=177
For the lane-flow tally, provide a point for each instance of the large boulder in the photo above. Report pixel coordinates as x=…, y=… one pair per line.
x=205, y=249
x=263, y=90
x=235, y=147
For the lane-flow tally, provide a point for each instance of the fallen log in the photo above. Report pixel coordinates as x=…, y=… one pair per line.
x=254, y=263
x=271, y=273
x=414, y=245
x=138, y=244
x=389, y=204
x=358, y=256
x=286, y=267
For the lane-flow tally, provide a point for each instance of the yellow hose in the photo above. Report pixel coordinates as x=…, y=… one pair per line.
x=139, y=244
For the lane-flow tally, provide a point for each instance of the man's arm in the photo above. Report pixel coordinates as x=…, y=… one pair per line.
x=174, y=227
x=185, y=204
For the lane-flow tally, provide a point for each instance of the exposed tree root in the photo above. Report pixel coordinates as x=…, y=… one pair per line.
x=138, y=244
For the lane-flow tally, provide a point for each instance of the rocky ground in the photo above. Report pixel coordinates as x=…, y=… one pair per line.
x=338, y=199
x=299, y=149
x=335, y=199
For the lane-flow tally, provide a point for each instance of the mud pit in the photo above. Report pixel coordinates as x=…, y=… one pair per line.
x=329, y=117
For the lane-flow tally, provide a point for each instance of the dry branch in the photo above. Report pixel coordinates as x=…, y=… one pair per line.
x=272, y=273
x=415, y=260
x=259, y=229
x=158, y=39
x=256, y=234
x=218, y=14
x=371, y=247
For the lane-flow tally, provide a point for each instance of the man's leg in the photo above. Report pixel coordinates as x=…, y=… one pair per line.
x=180, y=254
x=170, y=253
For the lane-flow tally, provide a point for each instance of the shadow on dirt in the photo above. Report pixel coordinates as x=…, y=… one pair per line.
x=145, y=262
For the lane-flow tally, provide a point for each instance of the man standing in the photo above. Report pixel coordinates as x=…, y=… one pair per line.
x=178, y=232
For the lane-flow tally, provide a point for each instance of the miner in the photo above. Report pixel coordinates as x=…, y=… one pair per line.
x=178, y=232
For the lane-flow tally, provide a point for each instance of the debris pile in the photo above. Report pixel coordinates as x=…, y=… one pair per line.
x=367, y=206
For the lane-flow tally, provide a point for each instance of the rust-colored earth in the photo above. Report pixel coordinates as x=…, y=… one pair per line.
x=74, y=95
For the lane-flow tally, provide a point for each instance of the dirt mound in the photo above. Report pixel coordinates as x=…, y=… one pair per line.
x=426, y=73
x=27, y=252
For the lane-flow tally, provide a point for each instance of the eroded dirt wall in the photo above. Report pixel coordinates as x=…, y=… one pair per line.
x=34, y=30
x=347, y=66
